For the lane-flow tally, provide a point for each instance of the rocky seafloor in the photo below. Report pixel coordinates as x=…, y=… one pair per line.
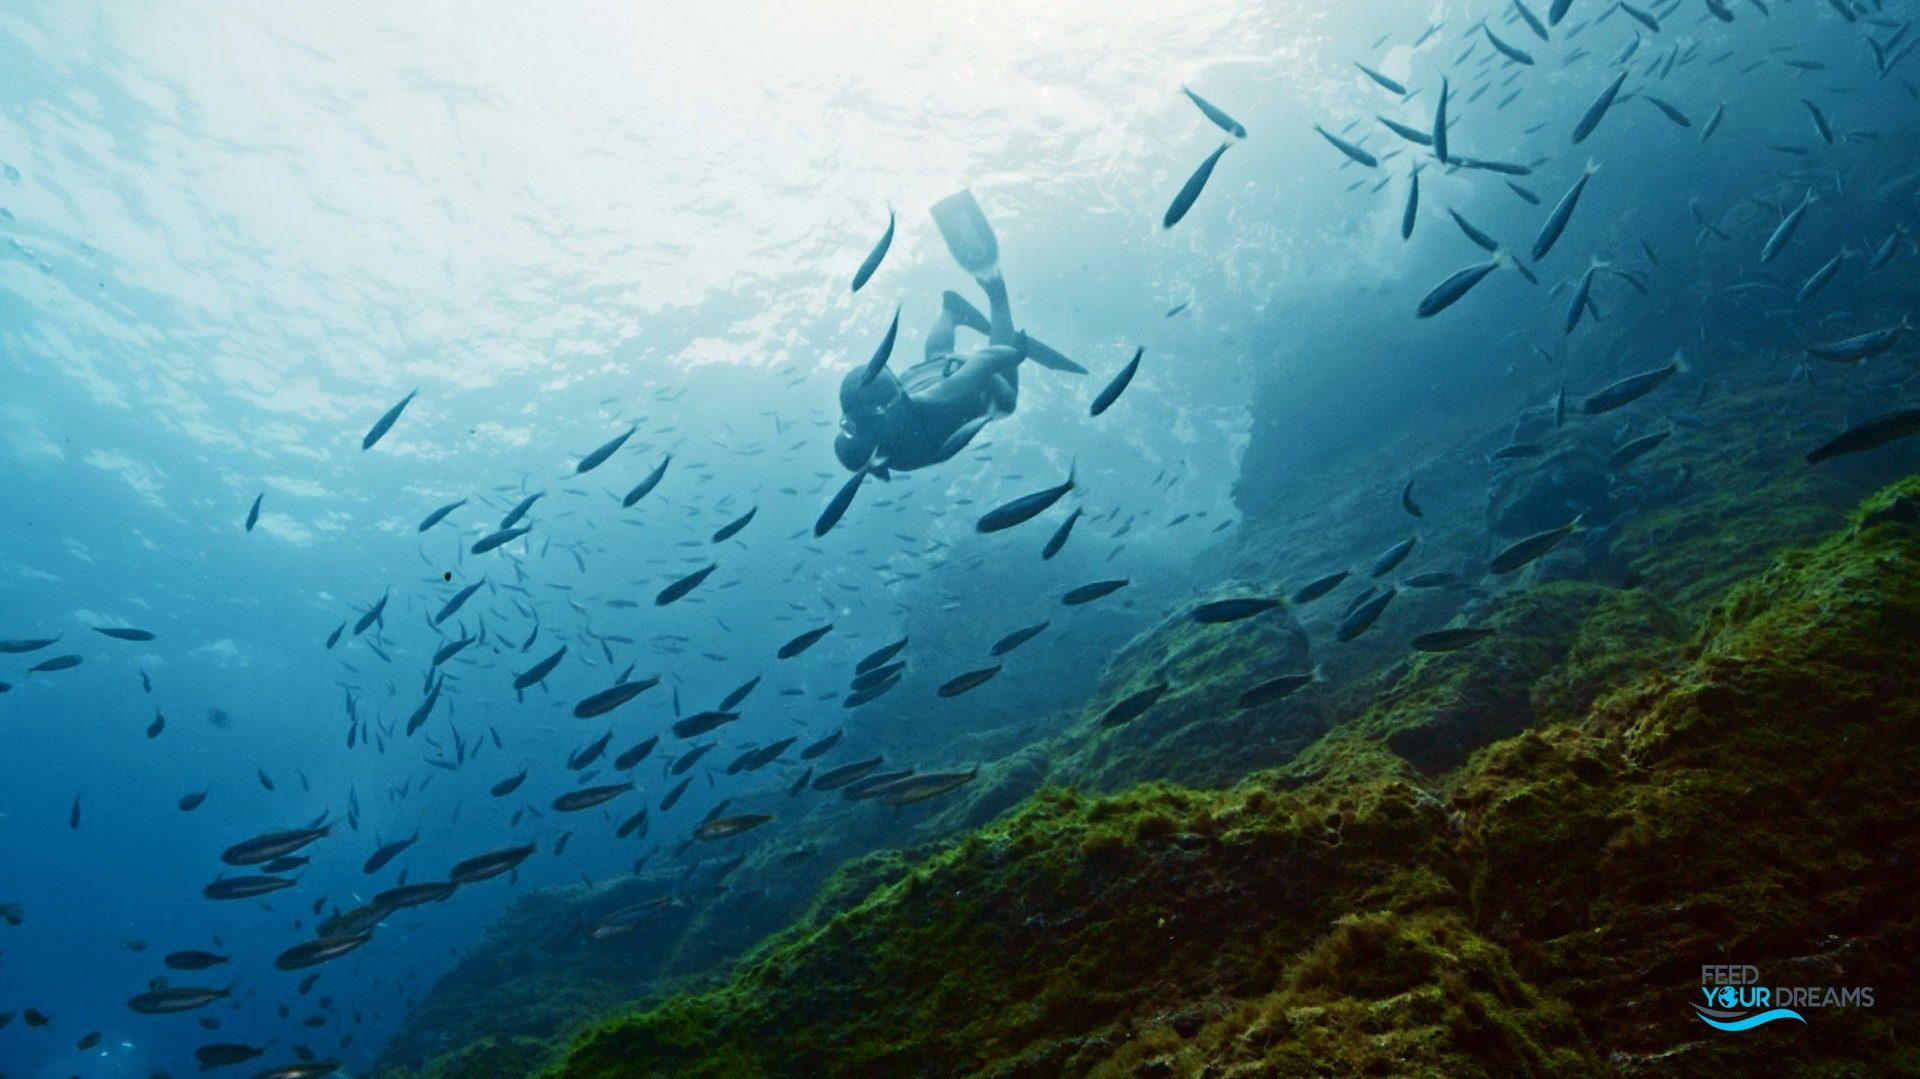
x=1688, y=743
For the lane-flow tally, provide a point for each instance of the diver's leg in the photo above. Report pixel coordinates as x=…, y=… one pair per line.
x=1000, y=310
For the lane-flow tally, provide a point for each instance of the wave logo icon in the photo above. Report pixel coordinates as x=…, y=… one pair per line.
x=1730, y=1009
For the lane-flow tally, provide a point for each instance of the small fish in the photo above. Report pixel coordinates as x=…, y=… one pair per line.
x=170, y=999
x=1713, y=122
x=1406, y=500
x=1274, y=689
x=879, y=657
x=1087, y=593
x=732, y=528
x=246, y=887
x=632, y=757
x=1668, y=109
x=1511, y=52
x=1533, y=21
x=803, y=641
x=537, y=673
x=385, y=423
x=1190, y=191
x=121, y=633
x=312, y=953
x=270, y=845
x=1111, y=393
x=1787, y=227
x=20, y=645
x=253, y=514
x=1644, y=18
x=822, y=746
x=1440, y=124
x=1411, y=134
x=498, y=539
x=1134, y=705
x=1636, y=449
x=647, y=485
x=1525, y=551
x=1059, y=538
x=1598, y=109
x=489, y=865
x=1582, y=296
x=835, y=778
x=1632, y=388
x=599, y=456
x=588, y=797
x=1220, y=119
x=190, y=802
x=1819, y=121
x=1860, y=346
x=883, y=352
x=1391, y=558
x=57, y=663
x=1362, y=617
x=439, y=515
x=1353, y=152
x=1314, y=589
x=1017, y=638
x=700, y=723
x=1866, y=436
x=1450, y=291
x=386, y=853
x=608, y=699
x=953, y=687
x=224, y=1054
x=1556, y=222
x=1389, y=85
x=193, y=960
x=1412, y=209
x=1222, y=611
x=1819, y=278
x=872, y=261
x=1450, y=640
x=924, y=786
x=727, y=827
x=1025, y=508
x=678, y=589
x=842, y=499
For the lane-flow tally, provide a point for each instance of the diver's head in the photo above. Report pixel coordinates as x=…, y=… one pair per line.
x=862, y=399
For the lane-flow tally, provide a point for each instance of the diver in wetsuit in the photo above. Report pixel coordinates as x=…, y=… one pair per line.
x=932, y=410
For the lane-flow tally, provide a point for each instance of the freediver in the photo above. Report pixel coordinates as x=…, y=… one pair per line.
x=933, y=409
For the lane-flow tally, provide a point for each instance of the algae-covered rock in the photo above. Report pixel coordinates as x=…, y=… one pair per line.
x=1197, y=733
x=1544, y=910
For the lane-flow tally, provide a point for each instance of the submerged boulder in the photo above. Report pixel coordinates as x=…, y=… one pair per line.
x=1548, y=494
x=1196, y=733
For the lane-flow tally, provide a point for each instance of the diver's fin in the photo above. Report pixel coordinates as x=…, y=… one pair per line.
x=968, y=234
x=1044, y=355
x=964, y=313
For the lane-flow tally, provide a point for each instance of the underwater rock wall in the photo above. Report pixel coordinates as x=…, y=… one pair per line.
x=1543, y=910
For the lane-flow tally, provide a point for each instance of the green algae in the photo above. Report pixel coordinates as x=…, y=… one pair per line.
x=1542, y=910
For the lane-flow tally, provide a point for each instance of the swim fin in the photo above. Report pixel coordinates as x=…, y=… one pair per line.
x=1044, y=355
x=968, y=234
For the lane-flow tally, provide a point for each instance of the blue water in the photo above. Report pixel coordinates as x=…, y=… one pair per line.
x=236, y=236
